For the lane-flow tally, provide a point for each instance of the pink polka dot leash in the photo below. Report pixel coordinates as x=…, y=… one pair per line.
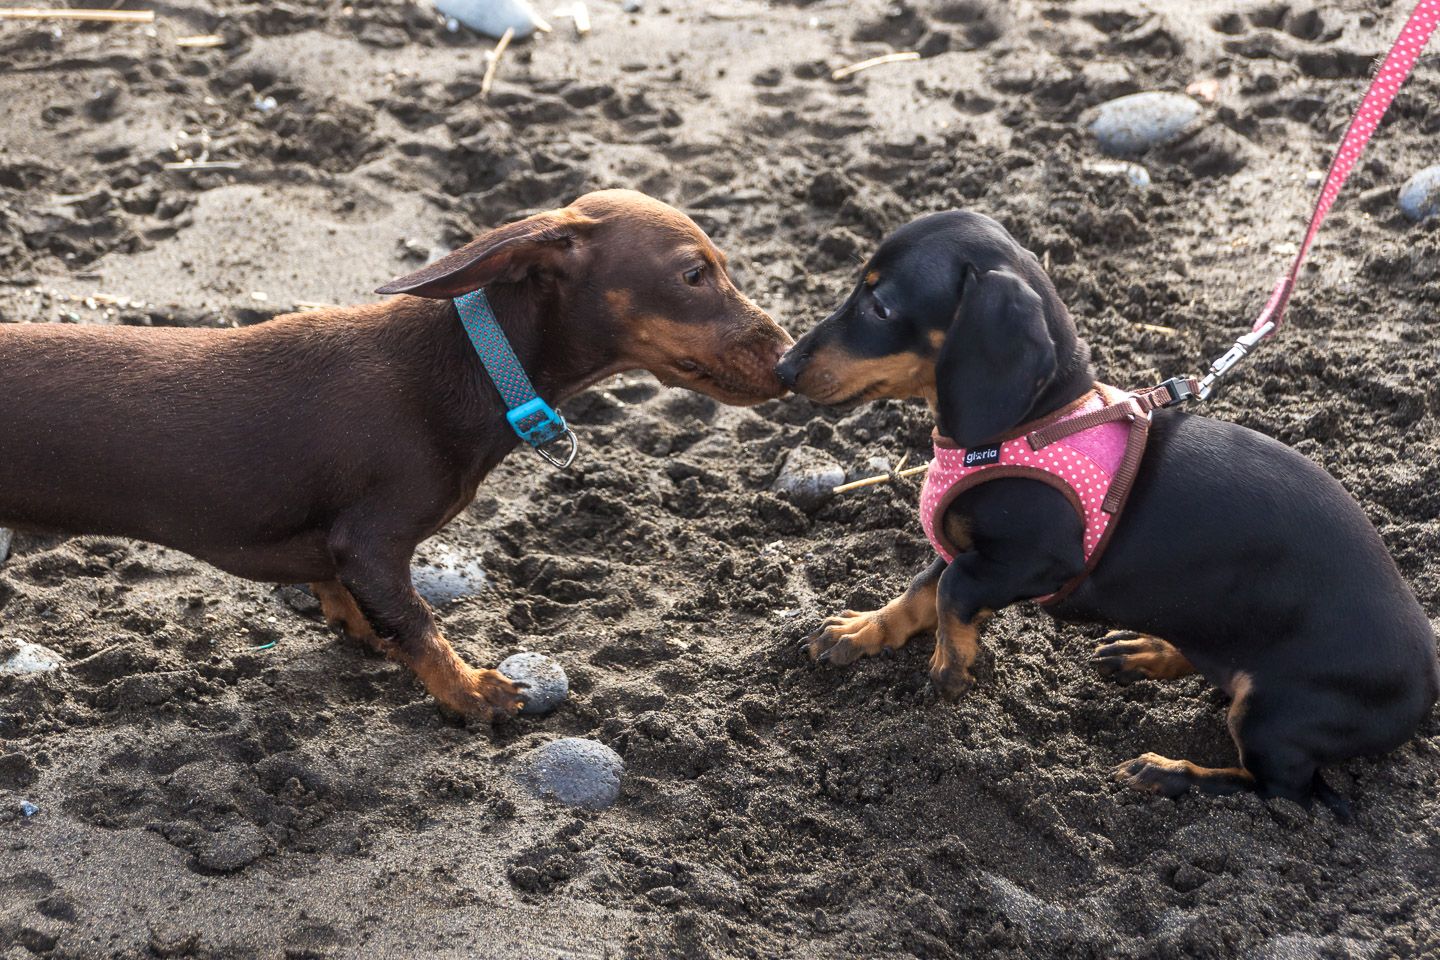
x=1388, y=79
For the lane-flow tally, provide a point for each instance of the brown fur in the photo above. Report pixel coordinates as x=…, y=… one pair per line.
x=845, y=638
x=1152, y=773
x=1127, y=656
x=323, y=447
x=957, y=644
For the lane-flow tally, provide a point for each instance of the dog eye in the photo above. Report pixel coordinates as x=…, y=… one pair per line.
x=882, y=311
x=693, y=275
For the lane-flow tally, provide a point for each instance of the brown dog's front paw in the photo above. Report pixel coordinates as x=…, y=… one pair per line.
x=1152, y=773
x=485, y=695
x=845, y=638
x=952, y=682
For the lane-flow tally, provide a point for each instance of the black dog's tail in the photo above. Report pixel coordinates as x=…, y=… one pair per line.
x=1338, y=805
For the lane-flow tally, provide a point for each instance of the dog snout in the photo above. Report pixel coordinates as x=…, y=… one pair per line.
x=791, y=365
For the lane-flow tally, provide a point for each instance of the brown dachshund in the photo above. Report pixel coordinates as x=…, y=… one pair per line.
x=323, y=447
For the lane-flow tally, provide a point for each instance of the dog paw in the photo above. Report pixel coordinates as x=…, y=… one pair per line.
x=1126, y=657
x=1152, y=773
x=952, y=682
x=847, y=637
x=486, y=695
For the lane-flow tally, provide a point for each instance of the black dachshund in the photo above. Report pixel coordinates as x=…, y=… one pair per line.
x=1255, y=566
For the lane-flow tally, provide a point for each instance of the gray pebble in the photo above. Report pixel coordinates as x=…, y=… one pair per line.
x=1420, y=197
x=544, y=680
x=1133, y=172
x=576, y=772
x=1134, y=124
x=28, y=809
x=631, y=6
x=808, y=478
x=20, y=657
x=492, y=17
x=6, y=538
x=447, y=576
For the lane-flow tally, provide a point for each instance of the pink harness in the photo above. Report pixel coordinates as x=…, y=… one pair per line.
x=1090, y=451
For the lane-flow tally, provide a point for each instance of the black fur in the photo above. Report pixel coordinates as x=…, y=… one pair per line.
x=1243, y=554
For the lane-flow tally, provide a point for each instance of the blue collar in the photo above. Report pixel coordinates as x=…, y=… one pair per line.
x=532, y=419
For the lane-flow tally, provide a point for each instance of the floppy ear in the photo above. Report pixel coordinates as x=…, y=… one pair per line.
x=996, y=359
x=504, y=255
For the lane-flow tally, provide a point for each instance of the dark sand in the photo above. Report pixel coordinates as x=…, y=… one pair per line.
x=199, y=798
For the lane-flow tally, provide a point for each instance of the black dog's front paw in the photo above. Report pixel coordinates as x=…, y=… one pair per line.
x=1152, y=773
x=952, y=682
x=1127, y=657
x=845, y=638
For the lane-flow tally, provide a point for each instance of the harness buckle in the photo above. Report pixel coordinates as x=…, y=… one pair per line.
x=541, y=425
x=1179, y=391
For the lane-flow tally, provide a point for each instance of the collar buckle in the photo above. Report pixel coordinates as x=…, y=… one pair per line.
x=542, y=426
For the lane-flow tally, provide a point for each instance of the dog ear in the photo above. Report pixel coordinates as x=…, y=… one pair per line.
x=997, y=358
x=504, y=255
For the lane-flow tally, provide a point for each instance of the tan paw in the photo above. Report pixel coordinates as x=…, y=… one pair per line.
x=845, y=638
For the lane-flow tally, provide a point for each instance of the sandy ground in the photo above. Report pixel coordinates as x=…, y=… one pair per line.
x=202, y=798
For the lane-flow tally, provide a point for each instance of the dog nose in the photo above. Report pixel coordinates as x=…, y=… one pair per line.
x=789, y=367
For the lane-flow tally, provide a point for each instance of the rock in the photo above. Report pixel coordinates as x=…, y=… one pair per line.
x=447, y=576
x=1133, y=172
x=28, y=809
x=20, y=658
x=1134, y=124
x=631, y=6
x=808, y=478
x=492, y=17
x=1419, y=200
x=544, y=680
x=576, y=772
x=1188, y=877
x=7, y=537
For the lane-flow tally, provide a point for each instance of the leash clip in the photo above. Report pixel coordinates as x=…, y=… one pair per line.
x=1234, y=355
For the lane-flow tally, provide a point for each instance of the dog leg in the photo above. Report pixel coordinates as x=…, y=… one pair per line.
x=386, y=598
x=845, y=638
x=957, y=644
x=1152, y=773
x=1268, y=732
x=342, y=613
x=1127, y=656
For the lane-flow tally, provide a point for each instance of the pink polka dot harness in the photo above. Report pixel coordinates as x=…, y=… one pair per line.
x=1089, y=451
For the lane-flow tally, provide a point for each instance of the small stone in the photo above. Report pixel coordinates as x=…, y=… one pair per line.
x=447, y=576
x=808, y=478
x=665, y=896
x=492, y=17
x=1187, y=878
x=576, y=772
x=7, y=537
x=631, y=6
x=1134, y=124
x=544, y=680
x=1420, y=197
x=1133, y=172
x=28, y=809
x=20, y=658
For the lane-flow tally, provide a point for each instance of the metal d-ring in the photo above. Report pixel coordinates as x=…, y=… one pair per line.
x=557, y=462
